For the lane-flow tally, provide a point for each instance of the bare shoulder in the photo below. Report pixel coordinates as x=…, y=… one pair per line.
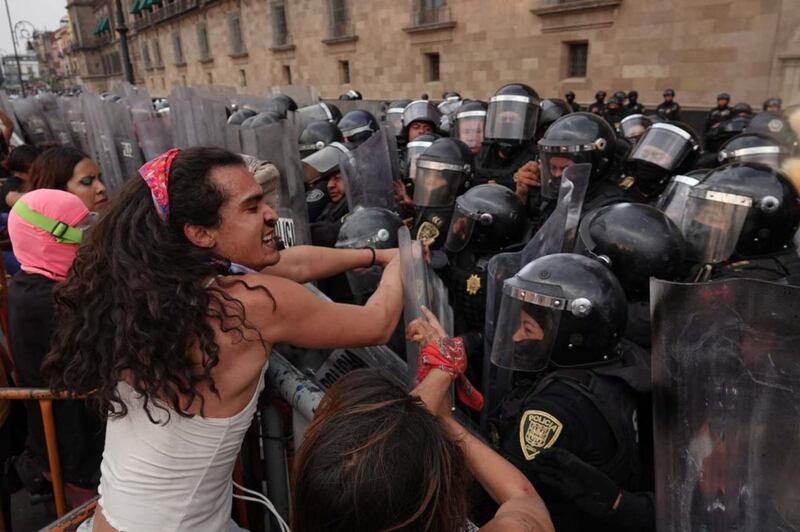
x=258, y=290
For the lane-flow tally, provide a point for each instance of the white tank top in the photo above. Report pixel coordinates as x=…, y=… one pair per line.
x=170, y=477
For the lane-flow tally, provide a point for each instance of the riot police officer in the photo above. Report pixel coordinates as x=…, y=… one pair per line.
x=510, y=132
x=776, y=126
x=488, y=219
x=577, y=385
x=351, y=95
x=281, y=104
x=442, y=171
x=600, y=101
x=569, y=96
x=326, y=199
x=633, y=107
x=632, y=127
x=720, y=113
x=420, y=117
x=357, y=126
x=666, y=148
x=669, y=109
x=316, y=135
x=753, y=148
x=238, y=117
x=614, y=111
x=773, y=105
x=394, y=116
x=318, y=111
x=740, y=221
x=470, y=123
x=636, y=242
x=552, y=110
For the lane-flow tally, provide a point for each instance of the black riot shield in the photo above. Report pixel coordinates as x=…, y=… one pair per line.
x=368, y=174
x=53, y=114
x=277, y=143
x=101, y=139
x=726, y=380
x=421, y=286
x=29, y=114
x=557, y=235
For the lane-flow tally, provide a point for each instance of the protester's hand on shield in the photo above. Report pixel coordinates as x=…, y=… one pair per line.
x=425, y=329
x=385, y=256
x=528, y=176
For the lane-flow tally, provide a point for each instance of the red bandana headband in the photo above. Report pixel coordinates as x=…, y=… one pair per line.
x=156, y=174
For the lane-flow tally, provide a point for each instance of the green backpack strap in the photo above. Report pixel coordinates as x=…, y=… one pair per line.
x=63, y=233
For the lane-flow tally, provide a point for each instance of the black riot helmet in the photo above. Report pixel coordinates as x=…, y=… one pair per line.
x=470, y=123
x=487, y=220
x=513, y=114
x=742, y=108
x=562, y=310
x=754, y=148
x=320, y=111
x=774, y=125
x=414, y=149
x=264, y=118
x=633, y=96
x=632, y=127
x=238, y=117
x=569, y=96
x=666, y=148
x=394, y=115
x=552, y=110
x=575, y=138
x=614, y=100
x=281, y=104
x=421, y=111
x=357, y=126
x=351, y=95
x=636, y=241
x=620, y=95
x=723, y=96
x=325, y=162
x=669, y=92
x=600, y=96
x=317, y=135
x=772, y=102
x=442, y=170
x=748, y=208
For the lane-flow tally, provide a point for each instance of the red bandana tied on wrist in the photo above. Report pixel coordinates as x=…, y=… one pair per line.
x=156, y=174
x=448, y=355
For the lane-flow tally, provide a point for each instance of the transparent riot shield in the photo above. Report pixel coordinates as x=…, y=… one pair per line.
x=8, y=109
x=34, y=126
x=53, y=115
x=277, y=143
x=368, y=174
x=198, y=116
x=128, y=151
x=726, y=389
x=557, y=235
x=421, y=286
x=101, y=139
x=76, y=122
x=394, y=154
x=151, y=129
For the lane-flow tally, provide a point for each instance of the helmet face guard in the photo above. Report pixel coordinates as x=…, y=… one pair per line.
x=555, y=158
x=512, y=118
x=712, y=223
x=469, y=128
x=664, y=145
x=437, y=183
x=772, y=156
x=672, y=201
x=462, y=226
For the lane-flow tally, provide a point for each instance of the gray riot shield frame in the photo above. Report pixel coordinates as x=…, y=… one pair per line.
x=726, y=390
x=277, y=143
x=76, y=122
x=101, y=138
x=29, y=114
x=421, y=286
x=53, y=114
x=128, y=151
x=557, y=235
x=368, y=174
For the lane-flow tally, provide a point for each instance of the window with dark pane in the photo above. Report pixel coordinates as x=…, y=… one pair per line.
x=157, y=53
x=280, y=31
x=177, y=48
x=202, y=41
x=146, y=55
x=339, y=18
x=344, y=71
x=235, y=33
x=578, y=56
x=432, y=66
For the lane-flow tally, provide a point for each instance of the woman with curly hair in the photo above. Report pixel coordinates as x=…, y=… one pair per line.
x=168, y=316
x=378, y=459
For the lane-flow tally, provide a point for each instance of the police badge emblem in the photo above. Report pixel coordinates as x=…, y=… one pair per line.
x=537, y=430
x=427, y=231
x=473, y=284
x=775, y=125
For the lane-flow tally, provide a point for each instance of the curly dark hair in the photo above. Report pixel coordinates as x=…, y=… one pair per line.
x=137, y=302
x=375, y=459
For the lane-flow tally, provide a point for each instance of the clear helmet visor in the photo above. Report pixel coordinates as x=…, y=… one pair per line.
x=462, y=225
x=436, y=183
x=527, y=326
x=511, y=118
x=413, y=151
x=663, y=145
x=323, y=162
x=673, y=201
x=470, y=130
x=712, y=223
x=634, y=126
x=395, y=120
x=772, y=156
x=314, y=112
x=552, y=166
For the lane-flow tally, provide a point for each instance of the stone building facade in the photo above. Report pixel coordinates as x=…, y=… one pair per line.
x=390, y=48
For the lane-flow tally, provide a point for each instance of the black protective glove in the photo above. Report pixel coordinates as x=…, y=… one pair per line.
x=566, y=475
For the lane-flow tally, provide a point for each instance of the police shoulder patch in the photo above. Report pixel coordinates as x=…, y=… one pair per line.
x=427, y=231
x=537, y=430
